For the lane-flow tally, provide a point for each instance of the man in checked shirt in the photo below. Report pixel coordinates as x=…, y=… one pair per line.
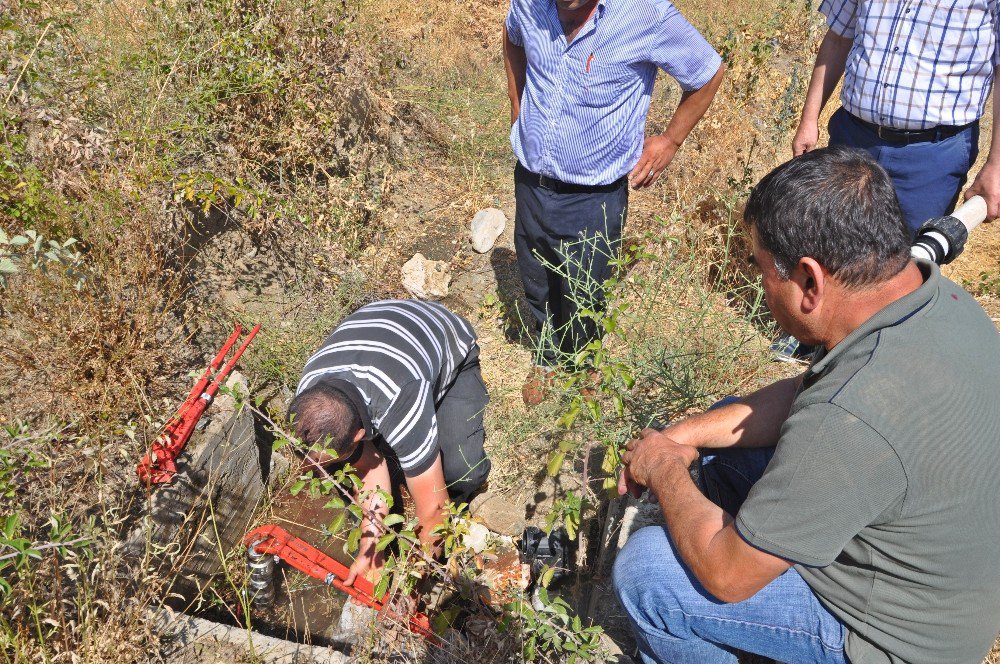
x=916, y=78
x=580, y=75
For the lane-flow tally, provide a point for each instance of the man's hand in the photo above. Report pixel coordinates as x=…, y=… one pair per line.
x=987, y=185
x=368, y=564
x=805, y=138
x=657, y=152
x=647, y=456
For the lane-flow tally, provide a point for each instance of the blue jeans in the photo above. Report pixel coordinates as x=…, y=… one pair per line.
x=676, y=620
x=928, y=176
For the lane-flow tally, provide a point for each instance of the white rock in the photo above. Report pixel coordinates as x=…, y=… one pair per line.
x=476, y=538
x=487, y=226
x=426, y=279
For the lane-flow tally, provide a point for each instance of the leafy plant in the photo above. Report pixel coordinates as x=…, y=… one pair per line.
x=33, y=250
x=551, y=628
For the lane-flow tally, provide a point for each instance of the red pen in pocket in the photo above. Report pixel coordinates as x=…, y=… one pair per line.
x=589, y=58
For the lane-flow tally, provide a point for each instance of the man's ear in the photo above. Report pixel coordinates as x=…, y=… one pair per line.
x=359, y=436
x=811, y=278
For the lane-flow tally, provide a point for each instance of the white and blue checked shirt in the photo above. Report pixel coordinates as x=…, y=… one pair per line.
x=583, y=109
x=917, y=64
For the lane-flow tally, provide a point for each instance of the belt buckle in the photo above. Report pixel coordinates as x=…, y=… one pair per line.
x=878, y=132
x=544, y=182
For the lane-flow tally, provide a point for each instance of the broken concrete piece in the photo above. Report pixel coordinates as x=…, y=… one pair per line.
x=498, y=514
x=487, y=226
x=426, y=279
x=196, y=520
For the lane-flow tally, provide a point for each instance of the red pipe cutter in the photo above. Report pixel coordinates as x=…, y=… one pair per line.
x=275, y=540
x=158, y=465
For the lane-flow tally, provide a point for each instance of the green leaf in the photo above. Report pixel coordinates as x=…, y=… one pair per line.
x=619, y=405
x=384, y=541
x=338, y=522
x=297, y=487
x=335, y=503
x=381, y=587
x=570, y=526
x=555, y=463
x=392, y=519
x=545, y=578
x=7, y=266
x=353, y=540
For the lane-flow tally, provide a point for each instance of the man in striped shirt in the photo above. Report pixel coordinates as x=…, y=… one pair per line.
x=580, y=75
x=395, y=390
x=917, y=75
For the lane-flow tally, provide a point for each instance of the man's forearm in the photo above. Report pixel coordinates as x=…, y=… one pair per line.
x=754, y=421
x=692, y=108
x=829, y=68
x=516, y=65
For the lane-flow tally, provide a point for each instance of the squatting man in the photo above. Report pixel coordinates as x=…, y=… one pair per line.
x=850, y=513
x=397, y=392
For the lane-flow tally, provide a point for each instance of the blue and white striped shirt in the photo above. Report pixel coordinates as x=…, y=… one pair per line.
x=583, y=109
x=403, y=356
x=917, y=64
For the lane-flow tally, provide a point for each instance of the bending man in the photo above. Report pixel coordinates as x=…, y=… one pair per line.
x=396, y=391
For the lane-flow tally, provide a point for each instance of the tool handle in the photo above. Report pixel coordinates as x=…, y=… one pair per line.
x=972, y=212
x=221, y=375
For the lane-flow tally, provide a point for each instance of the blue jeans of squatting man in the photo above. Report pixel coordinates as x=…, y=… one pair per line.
x=676, y=620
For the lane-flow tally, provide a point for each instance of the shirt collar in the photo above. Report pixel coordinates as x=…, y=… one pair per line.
x=892, y=314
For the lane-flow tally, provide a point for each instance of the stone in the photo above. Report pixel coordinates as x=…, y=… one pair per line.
x=477, y=538
x=498, y=514
x=487, y=226
x=426, y=279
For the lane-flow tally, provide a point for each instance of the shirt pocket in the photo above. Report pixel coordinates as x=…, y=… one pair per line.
x=601, y=84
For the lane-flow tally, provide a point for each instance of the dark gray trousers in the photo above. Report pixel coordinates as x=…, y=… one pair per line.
x=564, y=244
x=461, y=435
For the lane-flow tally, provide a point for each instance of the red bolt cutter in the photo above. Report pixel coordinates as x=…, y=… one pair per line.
x=157, y=466
x=298, y=553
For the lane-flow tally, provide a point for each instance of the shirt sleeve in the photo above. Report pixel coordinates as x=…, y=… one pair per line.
x=681, y=51
x=409, y=425
x=831, y=476
x=841, y=16
x=513, y=24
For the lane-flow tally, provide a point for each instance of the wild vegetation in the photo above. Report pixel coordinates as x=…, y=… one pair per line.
x=168, y=167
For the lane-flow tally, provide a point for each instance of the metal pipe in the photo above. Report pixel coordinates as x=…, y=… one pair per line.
x=260, y=584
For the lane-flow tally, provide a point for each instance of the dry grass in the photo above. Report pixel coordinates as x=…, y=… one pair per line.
x=219, y=162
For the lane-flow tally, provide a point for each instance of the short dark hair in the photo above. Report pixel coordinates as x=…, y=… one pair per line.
x=323, y=414
x=836, y=205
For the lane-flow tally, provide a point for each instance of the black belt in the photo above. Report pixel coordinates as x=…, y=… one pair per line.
x=907, y=136
x=560, y=187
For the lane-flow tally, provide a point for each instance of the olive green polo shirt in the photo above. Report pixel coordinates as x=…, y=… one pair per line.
x=884, y=488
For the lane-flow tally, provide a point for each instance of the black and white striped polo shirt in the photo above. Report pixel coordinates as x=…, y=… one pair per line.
x=402, y=355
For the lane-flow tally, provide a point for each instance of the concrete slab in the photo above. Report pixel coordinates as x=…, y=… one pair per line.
x=198, y=641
